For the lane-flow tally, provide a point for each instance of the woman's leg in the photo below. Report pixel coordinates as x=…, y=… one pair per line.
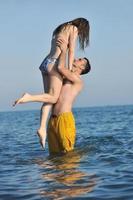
x=55, y=82
x=52, y=85
x=45, y=110
x=26, y=98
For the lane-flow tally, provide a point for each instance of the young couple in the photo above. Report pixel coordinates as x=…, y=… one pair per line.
x=61, y=85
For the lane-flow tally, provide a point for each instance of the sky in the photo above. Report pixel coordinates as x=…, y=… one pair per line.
x=25, y=33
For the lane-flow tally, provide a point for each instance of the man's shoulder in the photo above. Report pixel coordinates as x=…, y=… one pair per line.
x=78, y=83
x=77, y=78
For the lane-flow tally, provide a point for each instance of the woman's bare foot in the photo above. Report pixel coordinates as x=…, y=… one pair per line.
x=25, y=98
x=42, y=137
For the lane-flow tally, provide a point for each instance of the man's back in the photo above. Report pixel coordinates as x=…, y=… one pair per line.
x=68, y=94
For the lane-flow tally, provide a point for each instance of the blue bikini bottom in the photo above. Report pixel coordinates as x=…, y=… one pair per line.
x=44, y=66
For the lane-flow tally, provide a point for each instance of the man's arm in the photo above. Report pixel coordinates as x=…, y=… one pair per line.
x=68, y=74
x=61, y=65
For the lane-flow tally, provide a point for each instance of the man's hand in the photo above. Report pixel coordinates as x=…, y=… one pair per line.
x=61, y=43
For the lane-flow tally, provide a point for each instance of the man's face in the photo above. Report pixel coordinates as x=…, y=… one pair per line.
x=79, y=64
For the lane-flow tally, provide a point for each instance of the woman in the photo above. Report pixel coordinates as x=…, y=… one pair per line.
x=52, y=80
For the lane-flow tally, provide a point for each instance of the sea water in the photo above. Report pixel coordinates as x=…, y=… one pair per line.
x=100, y=167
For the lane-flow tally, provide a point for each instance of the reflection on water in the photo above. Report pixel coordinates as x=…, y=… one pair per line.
x=65, y=177
x=102, y=169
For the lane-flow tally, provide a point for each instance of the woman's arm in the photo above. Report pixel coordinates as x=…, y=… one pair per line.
x=72, y=44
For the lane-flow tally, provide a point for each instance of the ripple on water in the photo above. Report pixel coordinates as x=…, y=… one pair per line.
x=99, y=168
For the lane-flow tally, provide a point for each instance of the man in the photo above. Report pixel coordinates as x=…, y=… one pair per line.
x=61, y=126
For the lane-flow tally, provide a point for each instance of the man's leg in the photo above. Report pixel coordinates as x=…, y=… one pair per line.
x=53, y=140
x=66, y=131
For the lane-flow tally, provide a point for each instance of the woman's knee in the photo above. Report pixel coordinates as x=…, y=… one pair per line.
x=54, y=99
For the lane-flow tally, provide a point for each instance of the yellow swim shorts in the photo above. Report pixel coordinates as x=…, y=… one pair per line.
x=61, y=133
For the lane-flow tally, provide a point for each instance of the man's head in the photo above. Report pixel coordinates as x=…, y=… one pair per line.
x=81, y=66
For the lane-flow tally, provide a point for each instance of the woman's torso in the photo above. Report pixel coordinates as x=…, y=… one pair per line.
x=64, y=34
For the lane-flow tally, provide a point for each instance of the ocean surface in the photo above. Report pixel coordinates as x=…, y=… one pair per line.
x=100, y=167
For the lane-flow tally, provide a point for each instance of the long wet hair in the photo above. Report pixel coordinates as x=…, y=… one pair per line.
x=83, y=27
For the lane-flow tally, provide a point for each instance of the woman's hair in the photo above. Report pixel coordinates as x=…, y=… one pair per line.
x=83, y=27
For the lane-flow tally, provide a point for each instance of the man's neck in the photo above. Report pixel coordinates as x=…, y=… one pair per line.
x=77, y=74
